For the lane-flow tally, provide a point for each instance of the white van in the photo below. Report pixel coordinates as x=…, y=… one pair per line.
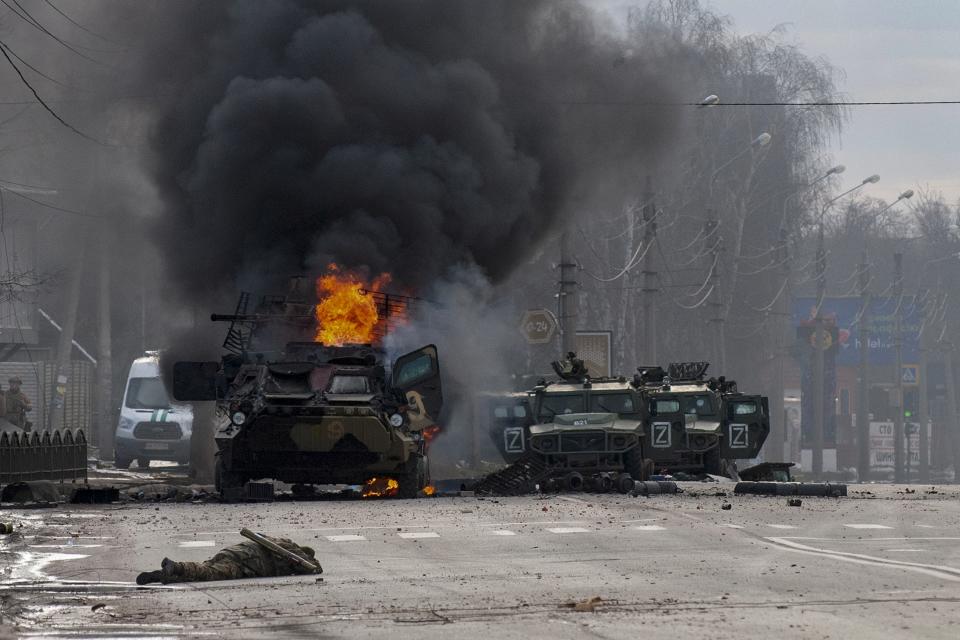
x=151, y=427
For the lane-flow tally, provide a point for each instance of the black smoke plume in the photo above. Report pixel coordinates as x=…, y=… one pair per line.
x=406, y=136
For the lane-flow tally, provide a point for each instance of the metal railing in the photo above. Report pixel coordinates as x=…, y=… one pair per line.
x=57, y=455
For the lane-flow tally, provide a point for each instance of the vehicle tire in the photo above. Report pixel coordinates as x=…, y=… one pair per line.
x=624, y=483
x=635, y=464
x=603, y=483
x=573, y=481
x=121, y=461
x=413, y=480
x=143, y=463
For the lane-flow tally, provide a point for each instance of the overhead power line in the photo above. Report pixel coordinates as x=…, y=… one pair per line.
x=33, y=22
x=78, y=25
x=47, y=107
x=840, y=103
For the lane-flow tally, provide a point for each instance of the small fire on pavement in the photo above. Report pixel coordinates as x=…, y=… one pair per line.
x=429, y=490
x=380, y=488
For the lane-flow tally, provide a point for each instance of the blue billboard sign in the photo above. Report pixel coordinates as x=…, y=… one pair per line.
x=845, y=314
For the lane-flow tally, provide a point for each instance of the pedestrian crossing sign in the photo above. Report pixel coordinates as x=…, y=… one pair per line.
x=910, y=374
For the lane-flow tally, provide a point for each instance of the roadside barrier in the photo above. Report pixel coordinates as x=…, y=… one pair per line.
x=57, y=456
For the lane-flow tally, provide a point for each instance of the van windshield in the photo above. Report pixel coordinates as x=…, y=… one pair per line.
x=147, y=393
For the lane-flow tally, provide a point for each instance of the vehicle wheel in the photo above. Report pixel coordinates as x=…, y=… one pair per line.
x=413, y=480
x=636, y=465
x=121, y=461
x=143, y=463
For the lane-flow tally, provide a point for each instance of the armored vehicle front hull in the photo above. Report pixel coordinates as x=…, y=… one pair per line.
x=318, y=450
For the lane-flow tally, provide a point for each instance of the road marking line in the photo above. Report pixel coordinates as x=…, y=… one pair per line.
x=73, y=537
x=64, y=546
x=415, y=535
x=936, y=571
x=568, y=530
x=346, y=538
x=569, y=499
x=908, y=550
x=731, y=526
x=650, y=527
x=926, y=526
x=866, y=540
x=528, y=522
x=503, y=532
x=638, y=520
x=782, y=526
x=868, y=526
x=189, y=544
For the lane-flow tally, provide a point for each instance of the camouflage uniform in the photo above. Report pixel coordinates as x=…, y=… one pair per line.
x=245, y=560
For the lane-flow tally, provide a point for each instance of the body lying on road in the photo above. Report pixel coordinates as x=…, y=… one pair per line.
x=259, y=557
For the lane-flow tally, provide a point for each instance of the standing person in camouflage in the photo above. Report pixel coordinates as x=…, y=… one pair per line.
x=245, y=560
x=17, y=404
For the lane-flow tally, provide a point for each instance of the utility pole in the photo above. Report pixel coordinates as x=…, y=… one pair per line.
x=650, y=288
x=946, y=348
x=65, y=346
x=105, y=353
x=863, y=393
x=778, y=422
x=923, y=408
x=567, y=297
x=818, y=360
x=716, y=303
x=898, y=372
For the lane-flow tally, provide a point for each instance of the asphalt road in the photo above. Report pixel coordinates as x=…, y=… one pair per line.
x=881, y=564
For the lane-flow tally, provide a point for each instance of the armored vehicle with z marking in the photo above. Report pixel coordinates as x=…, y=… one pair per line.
x=700, y=425
x=576, y=433
x=303, y=412
x=684, y=422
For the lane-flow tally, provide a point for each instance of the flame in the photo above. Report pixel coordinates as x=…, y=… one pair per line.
x=380, y=488
x=430, y=433
x=429, y=490
x=345, y=311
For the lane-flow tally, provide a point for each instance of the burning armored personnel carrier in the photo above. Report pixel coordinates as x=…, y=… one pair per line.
x=294, y=409
x=682, y=421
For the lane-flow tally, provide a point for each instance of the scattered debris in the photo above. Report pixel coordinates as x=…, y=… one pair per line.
x=589, y=605
x=794, y=502
x=91, y=495
x=822, y=489
x=35, y=491
x=726, y=506
x=767, y=471
x=6, y=527
x=654, y=487
x=99, y=605
x=160, y=492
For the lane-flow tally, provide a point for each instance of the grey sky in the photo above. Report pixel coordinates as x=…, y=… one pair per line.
x=889, y=50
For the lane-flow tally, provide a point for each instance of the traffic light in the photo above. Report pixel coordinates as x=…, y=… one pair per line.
x=911, y=403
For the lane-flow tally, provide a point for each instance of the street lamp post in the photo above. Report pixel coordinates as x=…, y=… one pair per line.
x=898, y=431
x=716, y=304
x=778, y=435
x=863, y=391
x=819, y=343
